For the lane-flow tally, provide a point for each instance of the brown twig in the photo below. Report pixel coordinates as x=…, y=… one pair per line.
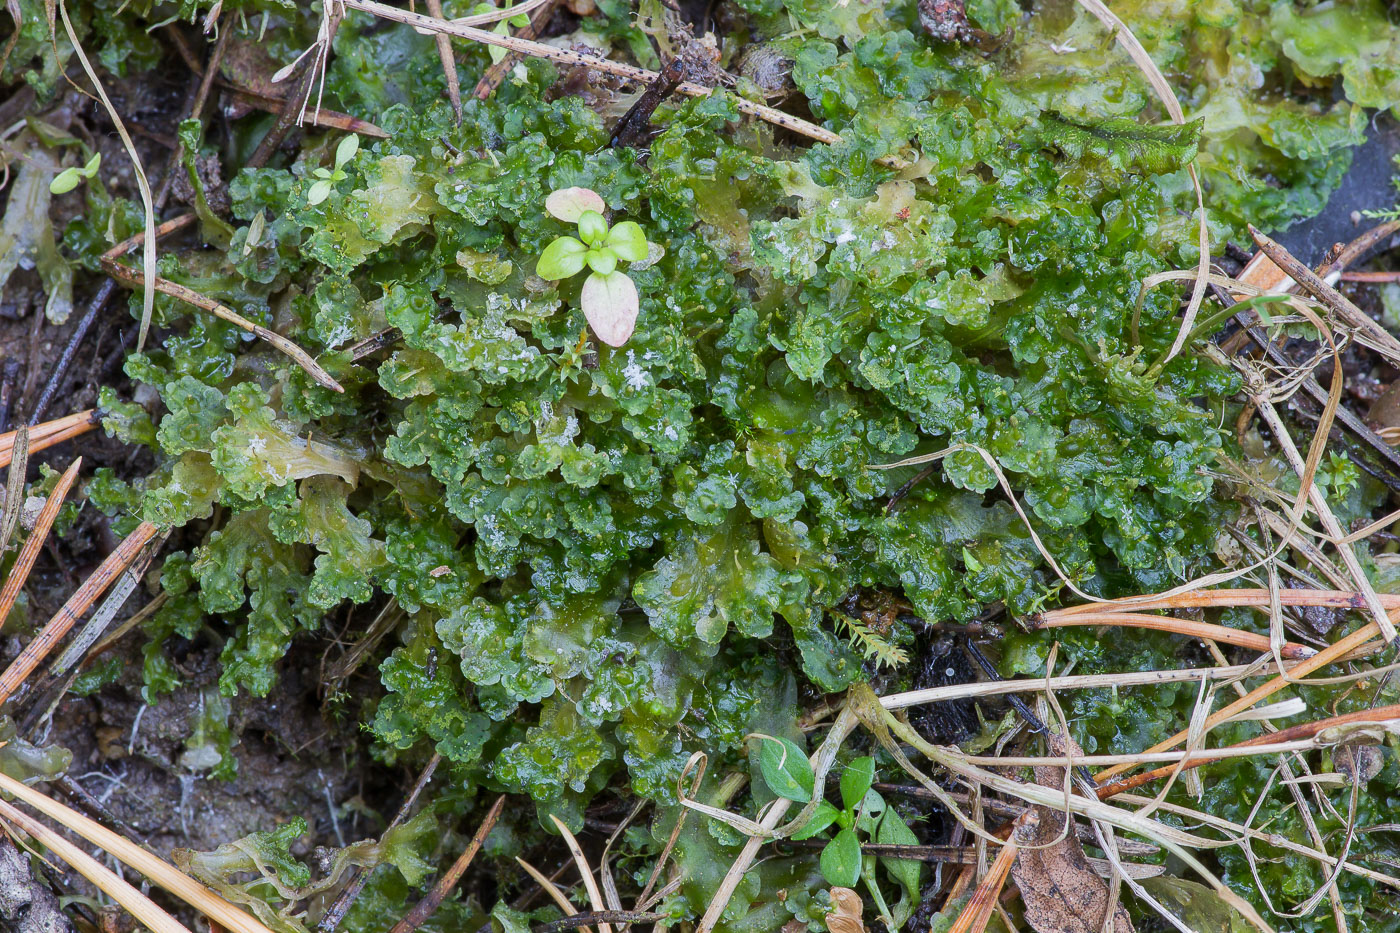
x=1306, y=730
x=494, y=75
x=1359, y=247
x=68, y=614
x=24, y=563
x=424, y=908
x=1375, y=278
x=346, y=899
x=49, y=434
x=299, y=356
x=1329, y=296
x=201, y=97
x=598, y=63
x=449, y=62
x=978, y=910
x=1230, y=636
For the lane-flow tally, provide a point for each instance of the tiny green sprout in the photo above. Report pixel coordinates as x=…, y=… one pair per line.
x=68, y=179
x=609, y=296
x=502, y=28
x=327, y=178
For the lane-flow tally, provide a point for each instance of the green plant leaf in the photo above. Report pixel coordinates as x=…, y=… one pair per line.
x=610, y=304
x=561, y=259
x=568, y=204
x=894, y=831
x=872, y=807
x=824, y=816
x=840, y=861
x=627, y=241
x=601, y=260
x=90, y=169
x=318, y=192
x=785, y=769
x=592, y=228
x=346, y=150
x=65, y=181
x=856, y=780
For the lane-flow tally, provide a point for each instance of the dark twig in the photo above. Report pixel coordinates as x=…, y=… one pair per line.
x=598, y=916
x=346, y=899
x=635, y=125
x=60, y=369
x=903, y=491
x=7, y=391
x=298, y=97
x=374, y=343
x=424, y=908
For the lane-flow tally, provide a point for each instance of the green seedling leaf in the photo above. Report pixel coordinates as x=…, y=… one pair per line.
x=610, y=304
x=592, y=228
x=872, y=807
x=569, y=204
x=319, y=192
x=824, y=816
x=90, y=169
x=894, y=831
x=840, y=861
x=561, y=259
x=346, y=150
x=785, y=769
x=65, y=181
x=856, y=781
x=627, y=241
x=601, y=261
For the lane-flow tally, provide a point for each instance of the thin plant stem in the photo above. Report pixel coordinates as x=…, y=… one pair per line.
x=424, y=908
x=24, y=563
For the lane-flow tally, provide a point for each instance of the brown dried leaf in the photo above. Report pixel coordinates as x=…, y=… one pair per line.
x=846, y=910
x=1061, y=892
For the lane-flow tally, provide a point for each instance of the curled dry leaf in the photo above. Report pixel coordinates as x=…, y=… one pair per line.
x=846, y=910
x=1061, y=892
x=569, y=204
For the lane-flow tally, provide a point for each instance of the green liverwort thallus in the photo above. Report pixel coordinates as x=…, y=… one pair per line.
x=609, y=296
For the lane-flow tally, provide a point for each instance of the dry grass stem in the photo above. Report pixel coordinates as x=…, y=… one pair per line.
x=24, y=563
x=108, y=882
x=1075, y=682
x=1323, y=658
x=550, y=888
x=148, y=256
x=978, y=909
x=590, y=884
x=1223, y=599
x=1231, y=636
x=69, y=613
x=231, y=918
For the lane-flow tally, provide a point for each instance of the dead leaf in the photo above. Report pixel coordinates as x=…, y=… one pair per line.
x=1061, y=892
x=1357, y=763
x=846, y=910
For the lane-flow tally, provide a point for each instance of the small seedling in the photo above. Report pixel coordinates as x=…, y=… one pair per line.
x=327, y=178
x=502, y=28
x=609, y=295
x=68, y=179
x=863, y=812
